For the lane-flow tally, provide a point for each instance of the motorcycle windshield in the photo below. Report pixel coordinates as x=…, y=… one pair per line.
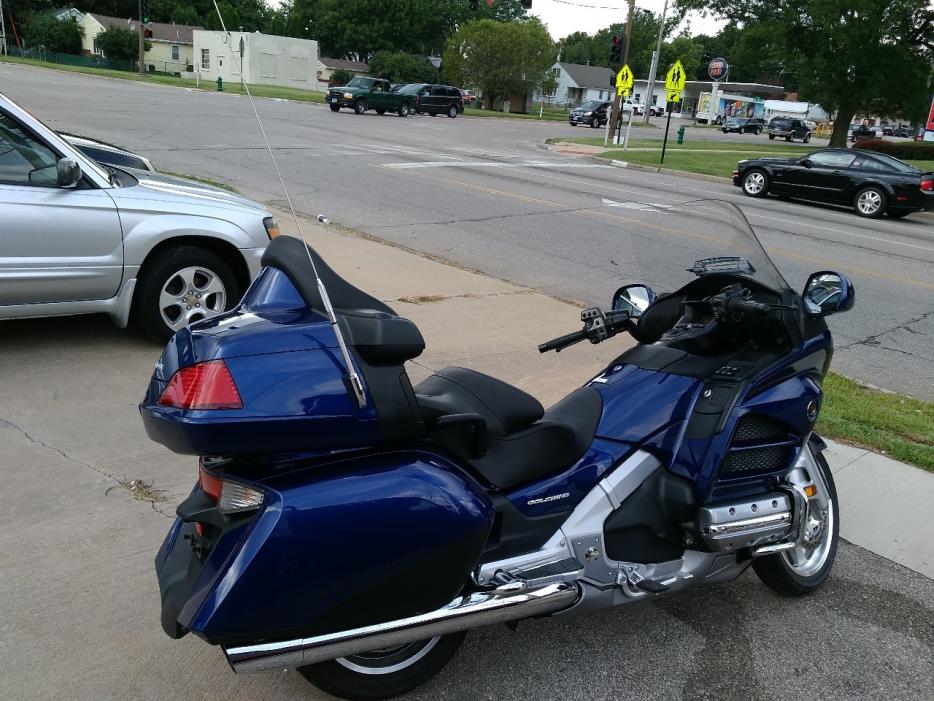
x=698, y=238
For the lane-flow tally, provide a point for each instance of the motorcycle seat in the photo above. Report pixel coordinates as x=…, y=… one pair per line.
x=524, y=442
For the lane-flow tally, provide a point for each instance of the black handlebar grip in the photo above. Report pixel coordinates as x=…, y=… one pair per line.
x=562, y=342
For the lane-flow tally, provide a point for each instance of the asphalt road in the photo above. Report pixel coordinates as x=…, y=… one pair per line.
x=482, y=193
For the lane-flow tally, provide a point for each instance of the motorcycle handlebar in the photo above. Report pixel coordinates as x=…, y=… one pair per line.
x=741, y=305
x=562, y=342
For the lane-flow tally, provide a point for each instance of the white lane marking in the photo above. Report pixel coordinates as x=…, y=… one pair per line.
x=489, y=164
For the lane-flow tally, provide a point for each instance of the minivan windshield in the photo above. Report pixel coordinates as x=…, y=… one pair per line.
x=412, y=88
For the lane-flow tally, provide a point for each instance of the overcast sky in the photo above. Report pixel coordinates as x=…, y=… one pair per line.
x=563, y=17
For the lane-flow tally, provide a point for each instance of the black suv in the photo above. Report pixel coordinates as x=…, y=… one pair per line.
x=789, y=129
x=592, y=112
x=435, y=99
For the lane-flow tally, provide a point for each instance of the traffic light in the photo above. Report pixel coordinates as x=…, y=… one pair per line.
x=144, y=11
x=616, y=52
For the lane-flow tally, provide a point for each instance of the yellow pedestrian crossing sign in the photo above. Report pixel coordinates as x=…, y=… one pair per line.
x=675, y=78
x=624, y=79
x=672, y=96
x=624, y=92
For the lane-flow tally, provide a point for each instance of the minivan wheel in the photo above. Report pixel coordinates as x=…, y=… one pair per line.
x=180, y=286
x=452, y=111
x=359, y=106
x=756, y=183
x=870, y=202
x=383, y=674
x=771, y=137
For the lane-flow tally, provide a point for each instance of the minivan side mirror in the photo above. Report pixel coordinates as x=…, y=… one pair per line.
x=68, y=173
x=634, y=299
x=827, y=292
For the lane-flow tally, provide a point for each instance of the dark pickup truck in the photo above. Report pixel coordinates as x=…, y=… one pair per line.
x=364, y=94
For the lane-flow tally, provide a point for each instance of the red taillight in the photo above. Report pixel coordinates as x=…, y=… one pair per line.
x=230, y=496
x=203, y=386
x=927, y=185
x=210, y=484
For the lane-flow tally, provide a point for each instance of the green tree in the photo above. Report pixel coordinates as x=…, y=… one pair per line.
x=342, y=76
x=399, y=67
x=499, y=58
x=119, y=44
x=359, y=28
x=850, y=56
x=43, y=29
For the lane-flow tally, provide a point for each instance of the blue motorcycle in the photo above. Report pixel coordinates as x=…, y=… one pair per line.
x=354, y=527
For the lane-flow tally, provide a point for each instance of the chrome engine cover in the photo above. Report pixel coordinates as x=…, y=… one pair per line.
x=729, y=527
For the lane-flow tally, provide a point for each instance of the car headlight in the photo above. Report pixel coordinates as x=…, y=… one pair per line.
x=272, y=227
x=348, y=95
x=587, y=114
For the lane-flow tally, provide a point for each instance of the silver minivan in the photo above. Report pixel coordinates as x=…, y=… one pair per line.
x=77, y=237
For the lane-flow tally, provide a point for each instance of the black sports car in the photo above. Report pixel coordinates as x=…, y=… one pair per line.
x=872, y=183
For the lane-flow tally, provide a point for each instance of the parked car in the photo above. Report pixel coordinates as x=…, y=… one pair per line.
x=789, y=129
x=905, y=131
x=864, y=132
x=872, y=183
x=743, y=125
x=888, y=130
x=108, y=154
x=161, y=251
x=593, y=113
x=637, y=107
x=363, y=94
x=656, y=110
x=433, y=99
x=468, y=98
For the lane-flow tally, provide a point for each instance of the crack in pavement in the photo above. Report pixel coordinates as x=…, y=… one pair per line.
x=874, y=342
x=5, y=423
x=474, y=220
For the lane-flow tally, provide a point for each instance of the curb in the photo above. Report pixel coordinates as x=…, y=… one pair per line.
x=660, y=169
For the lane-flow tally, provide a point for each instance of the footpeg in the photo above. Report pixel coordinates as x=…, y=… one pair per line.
x=651, y=587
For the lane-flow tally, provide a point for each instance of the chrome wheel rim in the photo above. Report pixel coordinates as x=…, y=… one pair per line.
x=190, y=295
x=754, y=183
x=869, y=202
x=813, y=547
x=388, y=660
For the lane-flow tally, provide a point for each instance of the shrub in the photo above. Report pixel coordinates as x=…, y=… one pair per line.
x=904, y=150
x=341, y=76
x=63, y=36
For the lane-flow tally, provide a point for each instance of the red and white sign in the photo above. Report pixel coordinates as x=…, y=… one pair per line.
x=717, y=68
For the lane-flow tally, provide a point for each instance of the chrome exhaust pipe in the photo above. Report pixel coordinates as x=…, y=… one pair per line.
x=509, y=602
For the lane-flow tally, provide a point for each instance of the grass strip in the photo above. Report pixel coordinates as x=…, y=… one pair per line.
x=898, y=426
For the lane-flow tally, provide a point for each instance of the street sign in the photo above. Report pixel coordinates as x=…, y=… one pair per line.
x=718, y=68
x=675, y=78
x=672, y=96
x=624, y=79
x=623, y=92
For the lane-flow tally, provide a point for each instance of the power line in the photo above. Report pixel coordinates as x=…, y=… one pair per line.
x=589, y=7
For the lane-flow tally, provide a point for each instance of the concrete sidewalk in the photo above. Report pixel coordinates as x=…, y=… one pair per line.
x=493, y=326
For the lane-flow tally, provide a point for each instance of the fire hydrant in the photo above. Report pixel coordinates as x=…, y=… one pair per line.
x=220, y=84
x=681, y=134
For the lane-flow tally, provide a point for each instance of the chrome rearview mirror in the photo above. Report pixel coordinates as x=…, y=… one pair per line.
x=68, y=173
x=634, y=299
x=826, y=293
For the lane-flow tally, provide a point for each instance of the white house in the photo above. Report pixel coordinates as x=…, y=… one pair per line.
x=798, y=110
x=171, y=49
x=577, y=83
x=329, y=65
x=267, y=59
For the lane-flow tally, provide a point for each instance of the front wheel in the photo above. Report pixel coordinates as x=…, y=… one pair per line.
x=771, y=137
x=870, y=202
x=382, y=674
x=335, y=108
x=359, y=106
x=452, y=111
x=594, y=122
x=804, y=568
x=807, y=137
x=756, y=183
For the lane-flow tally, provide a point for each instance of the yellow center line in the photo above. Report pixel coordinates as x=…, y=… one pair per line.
x=826, y=262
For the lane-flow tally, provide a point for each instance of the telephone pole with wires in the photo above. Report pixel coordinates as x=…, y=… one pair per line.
x=3, y=51
x=617, y=101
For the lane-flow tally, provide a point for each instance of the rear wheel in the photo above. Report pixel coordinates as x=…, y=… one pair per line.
x=452, y=111
x=181, y=286
x=359, y=106
x=870, y=202
x=804, y=568
x=382, y=674
x=771, y=137
x=335, y=108
x=403, y=110
x=756, y=183
x=788, y=138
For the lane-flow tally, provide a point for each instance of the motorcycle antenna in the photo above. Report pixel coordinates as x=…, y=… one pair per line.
x=356, y=385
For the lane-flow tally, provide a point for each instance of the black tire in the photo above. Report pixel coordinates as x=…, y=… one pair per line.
x=788, y=139
x=755, y=183
x=158, y=272
x=403, y=110
x=870, y=202
x=771, y=137
x=452, y=111
x=594, y=123
x=774, y=570
x=807, y=137
x=335, y=108
x=573, y=124
x=338, y=679
x=381, y=111
x=898, y=214
x=359, y=106
x=433, y=114
x=758, y=131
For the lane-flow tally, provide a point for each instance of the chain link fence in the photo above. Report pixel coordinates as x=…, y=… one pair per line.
x=40, y=53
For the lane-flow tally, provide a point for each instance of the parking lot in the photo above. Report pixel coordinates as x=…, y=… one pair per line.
x=89, y=497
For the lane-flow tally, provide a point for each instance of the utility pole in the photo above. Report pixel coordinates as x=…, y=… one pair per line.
x=2, y=32
x=617, y=101
x=142, y=40
x=656, y=57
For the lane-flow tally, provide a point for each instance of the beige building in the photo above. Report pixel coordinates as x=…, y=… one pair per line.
x=267, y=59
x=171, y=51
x=329, y=65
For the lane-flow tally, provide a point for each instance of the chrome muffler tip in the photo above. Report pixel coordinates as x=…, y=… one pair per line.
x=510, y=602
